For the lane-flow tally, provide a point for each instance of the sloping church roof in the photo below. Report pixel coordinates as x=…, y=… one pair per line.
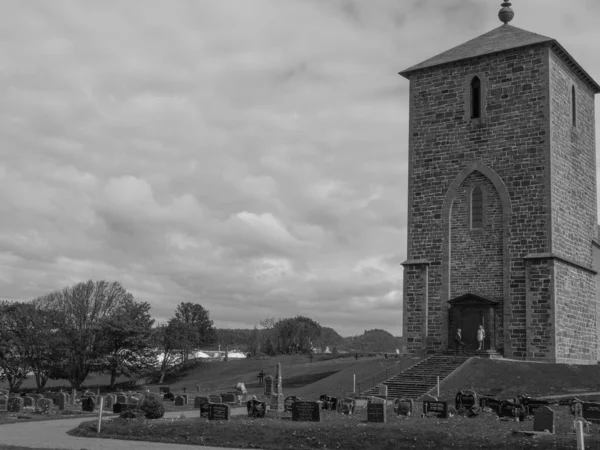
x=505, y=37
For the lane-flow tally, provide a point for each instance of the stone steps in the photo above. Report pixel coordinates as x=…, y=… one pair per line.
x=419, y=379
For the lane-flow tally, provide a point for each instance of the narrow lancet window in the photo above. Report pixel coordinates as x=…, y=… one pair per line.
x=475, y=98
x=477, y=207
x=573, y=106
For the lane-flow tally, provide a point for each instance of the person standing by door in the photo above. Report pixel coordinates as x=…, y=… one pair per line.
x=458, y=339
x=480, y=337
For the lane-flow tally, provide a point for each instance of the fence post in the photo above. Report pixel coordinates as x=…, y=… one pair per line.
x=438, y=387
x=354, y=383
x=100, y=413
x=579, y=433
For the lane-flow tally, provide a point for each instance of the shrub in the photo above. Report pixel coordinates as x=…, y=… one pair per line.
x=152, y=406
x=132, y=414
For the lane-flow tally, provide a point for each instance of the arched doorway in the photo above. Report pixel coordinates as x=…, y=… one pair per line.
x=469, y=311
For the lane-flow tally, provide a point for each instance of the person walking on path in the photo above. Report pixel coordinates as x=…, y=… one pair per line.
x=459, y=342
x=480, y=337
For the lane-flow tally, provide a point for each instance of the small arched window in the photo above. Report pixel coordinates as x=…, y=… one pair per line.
x=477, y=207
x=573, y=106
x=475, y=98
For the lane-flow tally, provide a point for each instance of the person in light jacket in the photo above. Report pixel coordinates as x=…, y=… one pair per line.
x=480, y=337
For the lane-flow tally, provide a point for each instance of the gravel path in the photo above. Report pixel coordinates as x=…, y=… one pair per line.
x=53, y=434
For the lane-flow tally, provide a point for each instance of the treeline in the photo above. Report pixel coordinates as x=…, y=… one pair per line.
x=270, y=338
x=95, y=327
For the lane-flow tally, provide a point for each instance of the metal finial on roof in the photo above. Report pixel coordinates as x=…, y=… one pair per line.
x=506, y=14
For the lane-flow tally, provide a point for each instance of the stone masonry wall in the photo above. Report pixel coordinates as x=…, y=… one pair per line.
x=476, y=262
x=510, y=140
x=575, y=315
x=415, y=304
x=574, y=215
x=540, y=310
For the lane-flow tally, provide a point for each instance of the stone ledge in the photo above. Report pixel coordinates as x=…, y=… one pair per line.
x=561, y=259
x=415, y=262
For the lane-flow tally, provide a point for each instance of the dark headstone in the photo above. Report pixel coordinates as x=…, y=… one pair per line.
x=3, y=404
x=591, y=411
x=544, y=418
x=303, y=411
x=122, y=399
x=88, y=404
x=512, y=409
x=204, y=410
x=256, y=408
x=218, y=411
x=531, y=404
x=169, y=396
x=268, y=386
x=62, y=401
x=118, y=408
x=287, y=404
x=200, y=400
x=465, y=399
x=435, y=408
x=28, y=401
x=404, y=406
x=328, y=403
x=179, y=400
x=376, y=412
x=229, y=398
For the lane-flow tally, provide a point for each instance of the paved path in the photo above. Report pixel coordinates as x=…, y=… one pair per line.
x=53, y=434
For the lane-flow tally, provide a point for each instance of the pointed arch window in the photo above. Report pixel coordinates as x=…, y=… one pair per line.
x=477, y=207
x=573, y=106
x=475, y=98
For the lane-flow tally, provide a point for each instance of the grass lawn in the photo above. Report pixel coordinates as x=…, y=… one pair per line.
x=338, y=431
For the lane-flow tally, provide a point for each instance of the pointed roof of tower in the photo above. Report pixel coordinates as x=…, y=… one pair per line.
x=505, y=37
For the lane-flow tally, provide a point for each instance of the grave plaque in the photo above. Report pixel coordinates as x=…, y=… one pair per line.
x=28, y=401
x=229, y=398
x=287, y=404
x=436, y=408
x=304, y=411
x=404, y=406
x=179, y=401
x=591, y=411
x=204, y=410
x=218, y=411
x=465, y=399
x=328, y=403
x=383, y=391
x=256, y=408
x=167, y=396
x=215, y=398
x=62, y=401
x=200, y=400
x=511, y=409
x=88, y=404
x=376, y=412
x=544, y=419
x=268, y=386
x=118, y=408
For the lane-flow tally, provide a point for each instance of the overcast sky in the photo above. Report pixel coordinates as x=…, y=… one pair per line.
x=249, y=155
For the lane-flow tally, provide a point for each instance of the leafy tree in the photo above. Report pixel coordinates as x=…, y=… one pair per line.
x=254, y=342
x=14, y=363
x=295, y=335
x=170, y=339
x=201, y=327
x=81, y=309
x=127, y=342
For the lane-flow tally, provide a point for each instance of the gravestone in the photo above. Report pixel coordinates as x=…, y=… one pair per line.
x=218, y=411
x=577, y=409
x=215, y=398
x=531, y=404
x=304, y=411
x=436, y=408
x=3, y=403
x=287, y=404
x=204, y=410
x=179, y=401
x=256, y=408
x=376, y=412
x=110, y=400
x=200, y=400
x=118, y=408
x=121, y=399
x=164, y=389
x=186, y=398
x=512, y=409
x=36, y=396
x=465, y=399
x=62, y=401
x=348, y=405
x=229, y=398
x=28, y=401
x=490, y=402
x=240, y=388
x=591, y=411
x=268, y=386
x=544, y=418
x=169, y=396
x=277, y=400
x=88, y=404
x=15, y=404
x=383, y=391
x=404, y=406
x=44, y=403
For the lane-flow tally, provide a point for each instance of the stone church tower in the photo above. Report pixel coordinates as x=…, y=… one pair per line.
x=502, y=220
